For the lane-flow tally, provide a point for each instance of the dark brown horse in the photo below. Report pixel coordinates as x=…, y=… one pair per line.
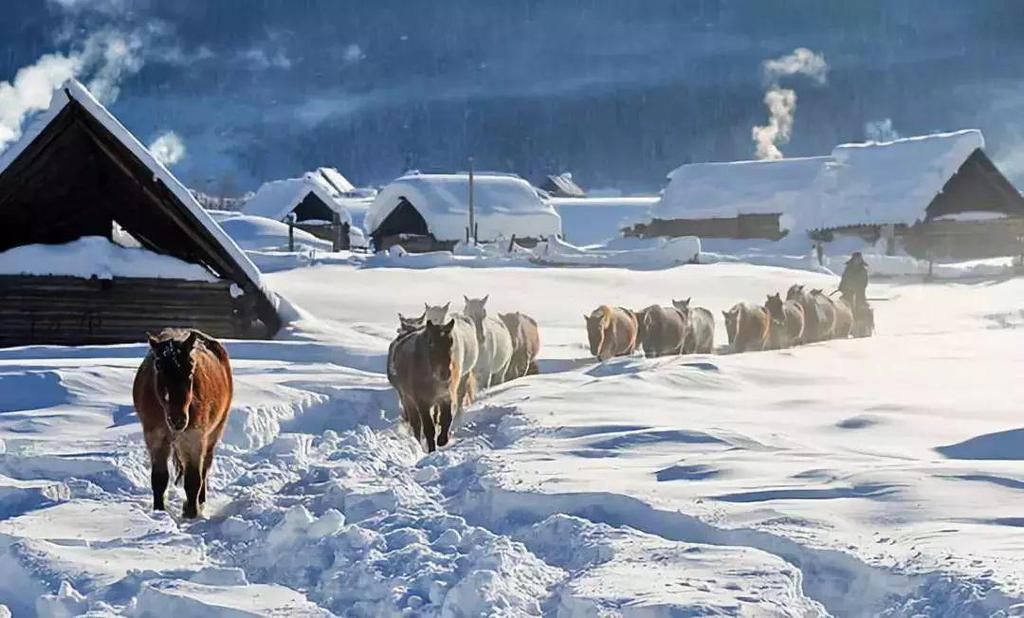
x=182, y=395
x=611, y=332
x=661, y=331
x=787, y=321
x=429, y=379
x=748, y=327
x=700, y=328
x=525, y=344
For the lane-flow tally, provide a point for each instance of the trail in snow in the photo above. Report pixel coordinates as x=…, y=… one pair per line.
x=839, y=478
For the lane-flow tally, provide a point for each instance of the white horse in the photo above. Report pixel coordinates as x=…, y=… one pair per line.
x=494, y=340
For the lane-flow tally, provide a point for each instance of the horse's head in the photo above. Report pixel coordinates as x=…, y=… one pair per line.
x=407, y=325
x=682, y=305
x=174, y=366
x=476, y=310
x=796, y=292
x=595, y=330
x=731, y=318
x=439, y=349
x=774, y=306
x=438, y=314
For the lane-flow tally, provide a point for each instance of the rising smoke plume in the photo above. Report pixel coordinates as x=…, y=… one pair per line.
x=880, y=130
x=168, y=148
x=103, y=59
x=781, y=102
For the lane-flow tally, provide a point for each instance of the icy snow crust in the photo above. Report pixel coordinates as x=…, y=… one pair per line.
x=95, y=256
x=504, y=205
x=851, y=478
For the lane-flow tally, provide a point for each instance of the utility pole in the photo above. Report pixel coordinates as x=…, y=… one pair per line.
x=472, y=206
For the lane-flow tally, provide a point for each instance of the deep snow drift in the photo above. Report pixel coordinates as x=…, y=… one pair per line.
x=853, y=478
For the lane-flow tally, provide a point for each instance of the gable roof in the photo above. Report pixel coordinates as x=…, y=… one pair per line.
x=562, y=185
x=892, y=182
x=725, y=190
x=76, y=170
x=503, y=204
x=274, y=200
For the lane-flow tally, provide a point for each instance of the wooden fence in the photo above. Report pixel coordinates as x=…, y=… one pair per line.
x=753, y=226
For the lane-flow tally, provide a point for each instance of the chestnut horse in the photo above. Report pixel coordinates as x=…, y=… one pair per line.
x=748, y=327
x=182, y=395
x=611, y=332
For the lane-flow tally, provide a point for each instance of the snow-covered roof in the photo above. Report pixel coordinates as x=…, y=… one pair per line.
x=892, y=182
x=725, y=190
x=73, y=91
x=274, y=200
x=504, y=205
x=871, y=183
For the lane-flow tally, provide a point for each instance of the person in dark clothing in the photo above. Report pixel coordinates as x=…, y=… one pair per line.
x=854, y=283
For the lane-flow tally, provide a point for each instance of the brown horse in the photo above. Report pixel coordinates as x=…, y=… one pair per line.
x=182, y=395
x=819, y=313
x=611, y=332
x=525, y=344
x=700, y=328
x=829, y=313
x=787, y=321
x=661, y=331
x=748, y=327
x=429, y=380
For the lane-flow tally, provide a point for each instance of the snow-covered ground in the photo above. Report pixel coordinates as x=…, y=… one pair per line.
x=856, y=478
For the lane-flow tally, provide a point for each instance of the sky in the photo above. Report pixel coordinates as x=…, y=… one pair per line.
x=236, y=92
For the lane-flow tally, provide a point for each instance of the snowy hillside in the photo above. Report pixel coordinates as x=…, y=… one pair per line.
x=866, y=477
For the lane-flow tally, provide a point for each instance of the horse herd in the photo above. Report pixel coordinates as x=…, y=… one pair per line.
x=437, y=361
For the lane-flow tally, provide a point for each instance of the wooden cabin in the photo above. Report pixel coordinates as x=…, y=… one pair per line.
x=79, y=178
x=939, y=196
x=430, y=212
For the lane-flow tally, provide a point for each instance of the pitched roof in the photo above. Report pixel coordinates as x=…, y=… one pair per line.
x=503, y=204
x=562, y=185
x=76, y=170
x=274, y=200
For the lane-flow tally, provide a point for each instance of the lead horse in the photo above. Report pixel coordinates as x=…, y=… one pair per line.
x=182, y=395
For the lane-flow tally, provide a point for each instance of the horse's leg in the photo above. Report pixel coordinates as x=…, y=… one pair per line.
x=412, y=415
x=211, y=444
x=427, y=418
x=159, y=446
x=193, y=485
x=446, y=420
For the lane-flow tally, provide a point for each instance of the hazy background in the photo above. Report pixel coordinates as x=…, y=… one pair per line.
x=618, y=92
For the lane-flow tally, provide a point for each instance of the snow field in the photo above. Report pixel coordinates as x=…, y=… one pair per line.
x=847, y=478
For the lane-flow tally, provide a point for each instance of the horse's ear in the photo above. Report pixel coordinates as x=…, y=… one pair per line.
x=484, y=301
x=190, y=341
x=446, y=305
x=426, y=307
x=153, y=341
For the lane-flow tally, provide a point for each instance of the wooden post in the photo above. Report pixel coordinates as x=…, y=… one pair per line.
x=291, y=232
x=336, y=232
x=472, y=205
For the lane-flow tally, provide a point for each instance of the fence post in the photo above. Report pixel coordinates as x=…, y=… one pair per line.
x=511, y=243
x=336, y=232
x=291, y=232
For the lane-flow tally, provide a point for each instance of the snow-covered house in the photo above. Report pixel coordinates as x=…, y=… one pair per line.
x=561, y=185
x=916, y=187
x=100, y=242
x=425, y=212
x=740, y=199
x=319, y=200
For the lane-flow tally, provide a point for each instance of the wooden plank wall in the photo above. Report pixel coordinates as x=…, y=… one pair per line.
x=74, y=311
x=966, y=240
x=740, y=227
